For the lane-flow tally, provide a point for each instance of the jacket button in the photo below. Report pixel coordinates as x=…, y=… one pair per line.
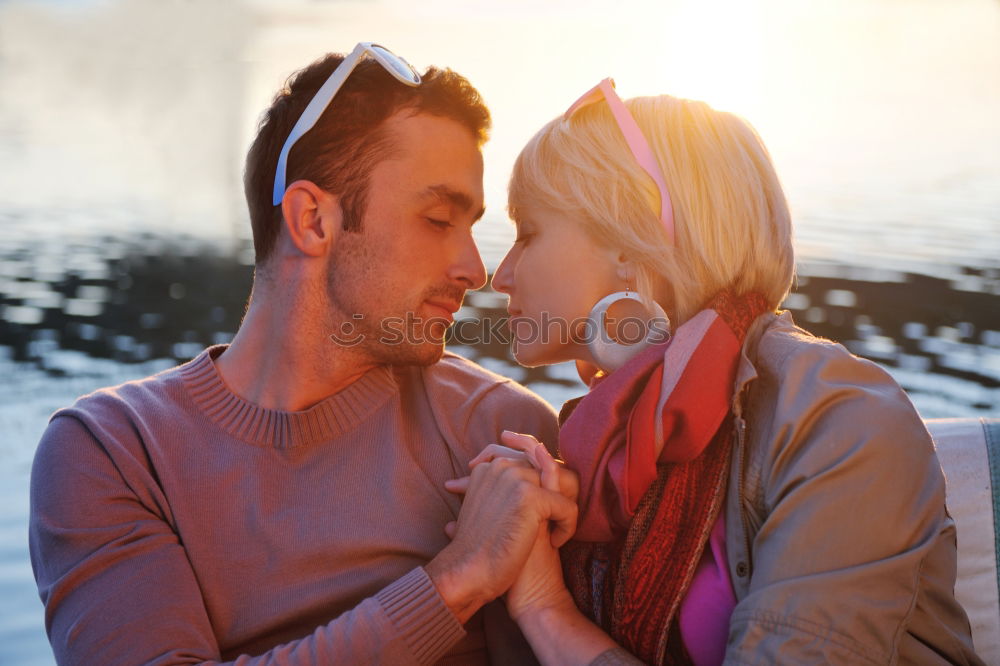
x=742, y=569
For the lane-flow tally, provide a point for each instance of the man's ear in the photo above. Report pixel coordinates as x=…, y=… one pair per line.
x=313, y=217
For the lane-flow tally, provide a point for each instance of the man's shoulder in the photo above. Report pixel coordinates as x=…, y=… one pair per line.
x=452, y=361
x=473, y=405
x=462, y=378
x=114, y=420
x=129, y=400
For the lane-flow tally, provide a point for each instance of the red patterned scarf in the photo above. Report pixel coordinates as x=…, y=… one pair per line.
x=651, y=443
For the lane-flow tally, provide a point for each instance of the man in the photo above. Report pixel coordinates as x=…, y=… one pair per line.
x=281, y=499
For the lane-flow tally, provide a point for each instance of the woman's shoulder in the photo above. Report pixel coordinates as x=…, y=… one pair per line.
x=795, y=359
x=811, y=392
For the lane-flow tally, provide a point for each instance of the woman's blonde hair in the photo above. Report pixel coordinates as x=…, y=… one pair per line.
x=732, y=225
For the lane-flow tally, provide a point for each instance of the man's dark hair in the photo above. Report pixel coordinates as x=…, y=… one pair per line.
x=339, y=153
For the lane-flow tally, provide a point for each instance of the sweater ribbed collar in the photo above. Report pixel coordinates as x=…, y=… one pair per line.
x=330, y=418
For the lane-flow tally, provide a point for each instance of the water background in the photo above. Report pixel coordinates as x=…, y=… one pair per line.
x=124, y=240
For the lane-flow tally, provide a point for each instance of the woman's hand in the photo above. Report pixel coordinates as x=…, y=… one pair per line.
x=539, y=587
x=503, y=509
x=538, y=599
x=554, y=475
x=540, y=583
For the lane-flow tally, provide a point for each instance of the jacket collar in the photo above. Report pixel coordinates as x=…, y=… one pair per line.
x=746, y=371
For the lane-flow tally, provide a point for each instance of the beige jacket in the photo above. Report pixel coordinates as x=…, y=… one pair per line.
x=839, y=546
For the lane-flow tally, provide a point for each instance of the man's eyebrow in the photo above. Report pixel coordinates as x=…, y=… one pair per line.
x=458, y=199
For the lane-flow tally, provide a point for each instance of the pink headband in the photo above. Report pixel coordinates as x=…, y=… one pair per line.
x=636, y=142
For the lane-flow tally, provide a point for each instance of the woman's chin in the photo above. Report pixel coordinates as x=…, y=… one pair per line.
x=529, y=356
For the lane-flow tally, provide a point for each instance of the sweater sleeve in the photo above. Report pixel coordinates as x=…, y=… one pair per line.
x=118, y=587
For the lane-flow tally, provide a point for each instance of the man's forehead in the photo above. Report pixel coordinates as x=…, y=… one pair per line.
x=414, y=133
x=437, y=159
x=410, y=129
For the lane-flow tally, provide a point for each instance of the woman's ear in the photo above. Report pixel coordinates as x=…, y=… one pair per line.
x=312, y=217
x=625, y=269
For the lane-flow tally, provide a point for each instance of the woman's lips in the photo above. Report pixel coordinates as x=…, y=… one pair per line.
x=514, y=317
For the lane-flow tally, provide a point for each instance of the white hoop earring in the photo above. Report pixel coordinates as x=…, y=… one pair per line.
x=610, y=355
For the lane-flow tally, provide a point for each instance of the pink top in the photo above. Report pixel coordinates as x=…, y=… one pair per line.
x=707, y=606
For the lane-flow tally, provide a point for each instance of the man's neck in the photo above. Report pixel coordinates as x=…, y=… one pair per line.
x=281, y=359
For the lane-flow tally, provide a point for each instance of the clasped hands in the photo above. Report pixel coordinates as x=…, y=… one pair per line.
x=519, y=508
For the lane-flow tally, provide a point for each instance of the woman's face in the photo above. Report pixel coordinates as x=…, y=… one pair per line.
x=554, y=274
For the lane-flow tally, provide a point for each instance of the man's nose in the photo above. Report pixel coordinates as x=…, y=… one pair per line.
x=469, y=267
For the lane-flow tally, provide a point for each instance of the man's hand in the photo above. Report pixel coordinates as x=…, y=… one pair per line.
x=539, y=586
x=504, y=509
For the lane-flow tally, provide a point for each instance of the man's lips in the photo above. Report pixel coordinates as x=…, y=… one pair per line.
x=446, y=309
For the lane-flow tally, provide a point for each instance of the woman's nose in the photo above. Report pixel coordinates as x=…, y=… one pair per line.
x=503, y=276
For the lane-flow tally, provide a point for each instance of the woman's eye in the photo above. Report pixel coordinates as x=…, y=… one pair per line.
x=440, y=224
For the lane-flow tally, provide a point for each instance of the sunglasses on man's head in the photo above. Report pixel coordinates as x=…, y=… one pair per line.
x=392, y=63
x=636, y=142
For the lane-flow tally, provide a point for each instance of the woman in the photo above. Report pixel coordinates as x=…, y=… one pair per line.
x=748, y=492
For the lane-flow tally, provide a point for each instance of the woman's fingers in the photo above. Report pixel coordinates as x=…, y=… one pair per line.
x=563, y=520
x=494, y=451
x=518, y=441
x=569, y=481
x=533, y=450
x=458, y=486
x=522, y=486
x=563, y=515
x=549, y=503
x=548, y=467
x=517, y=447
x=450, y=529
x=555, y=474
x=525, y=448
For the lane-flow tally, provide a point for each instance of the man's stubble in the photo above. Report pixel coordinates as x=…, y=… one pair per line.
x=357, y=293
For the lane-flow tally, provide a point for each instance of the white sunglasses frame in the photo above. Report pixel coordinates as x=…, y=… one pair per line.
x=391, y=62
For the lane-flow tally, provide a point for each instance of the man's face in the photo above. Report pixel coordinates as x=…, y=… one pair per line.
x=398, y=281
